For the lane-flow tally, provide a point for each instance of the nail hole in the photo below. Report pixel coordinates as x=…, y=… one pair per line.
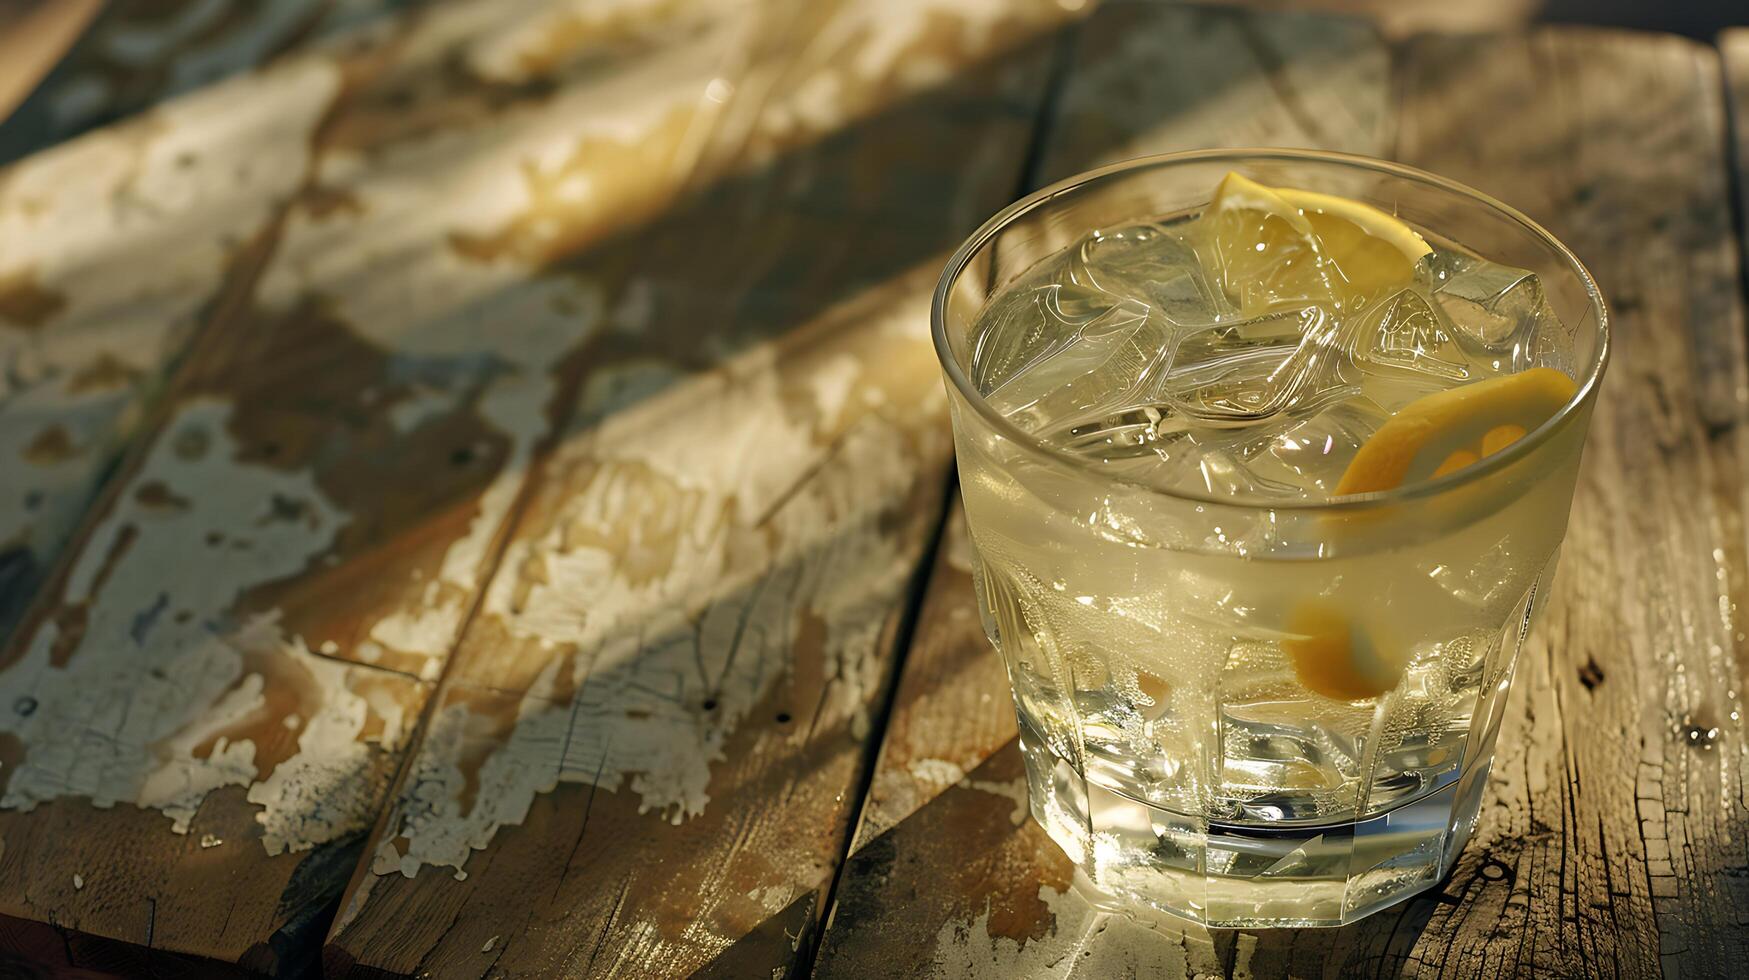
x=462, y=456
x=710, y=704
x=270, y=449
x=783, y=717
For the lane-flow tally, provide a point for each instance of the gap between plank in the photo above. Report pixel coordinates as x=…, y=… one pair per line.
x=1061, y=56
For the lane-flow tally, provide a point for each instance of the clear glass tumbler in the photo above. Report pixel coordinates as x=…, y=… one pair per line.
x=1169, y=751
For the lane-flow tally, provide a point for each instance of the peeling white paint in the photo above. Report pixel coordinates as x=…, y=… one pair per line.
x=878, y=41
x=161, y=670
x=832, y=382
x=1086, y=943
x=502, y=45
x=772, y=899
x=132, y=227
x=730, y=537
x=937, y=772
x=695, y=531
x=428, y=631
x=317, y=795
x=479, y=336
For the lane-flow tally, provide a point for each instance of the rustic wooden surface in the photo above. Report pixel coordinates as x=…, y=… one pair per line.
x=1612, y=840
x=642, y=758
x=530, y=455
x=235, y=656
x=945, y=854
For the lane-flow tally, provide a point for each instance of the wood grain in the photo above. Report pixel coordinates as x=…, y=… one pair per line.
x=644, y=758
x=203, y=721
x=117, y=247
x=1612, y=838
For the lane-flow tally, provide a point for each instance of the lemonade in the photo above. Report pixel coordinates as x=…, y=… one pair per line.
x=1262, y=491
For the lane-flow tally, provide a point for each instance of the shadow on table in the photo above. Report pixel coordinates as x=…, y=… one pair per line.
x=866, y=210
x=968, y=885
x=819, y=241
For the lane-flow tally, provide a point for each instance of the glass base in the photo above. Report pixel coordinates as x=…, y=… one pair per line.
x=1230, y=875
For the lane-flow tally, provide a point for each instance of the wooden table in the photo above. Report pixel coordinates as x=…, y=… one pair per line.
x=472, y=490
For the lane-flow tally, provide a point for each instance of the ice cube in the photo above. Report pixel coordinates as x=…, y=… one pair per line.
x=1312, y=454
x=1246, y=372
x=1148, y=262
x=1404, y=332
x=1031, y=321
x=1494, y=306
x=1207, y=461
x=1099, y=366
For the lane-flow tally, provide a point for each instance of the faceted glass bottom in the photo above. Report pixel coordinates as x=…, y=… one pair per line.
x=1229, y=875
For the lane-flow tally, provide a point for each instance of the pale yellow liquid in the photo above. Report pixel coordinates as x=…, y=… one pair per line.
x=1171, y=747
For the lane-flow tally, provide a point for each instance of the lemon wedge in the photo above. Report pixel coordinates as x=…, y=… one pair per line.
x=1448, y=430
x=1281, y=244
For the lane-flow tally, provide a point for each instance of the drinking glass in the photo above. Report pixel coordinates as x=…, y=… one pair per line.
x=1169, y=749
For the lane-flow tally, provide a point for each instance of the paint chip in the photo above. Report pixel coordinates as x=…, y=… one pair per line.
x=490, y=943
x=210, y=840
x=78, y=881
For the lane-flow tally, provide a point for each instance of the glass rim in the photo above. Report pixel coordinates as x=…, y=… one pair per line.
x=956, y=264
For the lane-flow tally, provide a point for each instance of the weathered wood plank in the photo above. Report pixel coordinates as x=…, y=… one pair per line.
x=113, y=248
x=1612, y=838
x=948, y=876
x=205, y=720
x=641, y=759
x=1616, y=833
x=136, y=55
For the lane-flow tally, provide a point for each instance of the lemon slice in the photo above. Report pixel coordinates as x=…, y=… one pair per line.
x=1334, y=659
x=1437, y=434
x=1448, y=430
x=1371, y=249
x=1281, y=244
